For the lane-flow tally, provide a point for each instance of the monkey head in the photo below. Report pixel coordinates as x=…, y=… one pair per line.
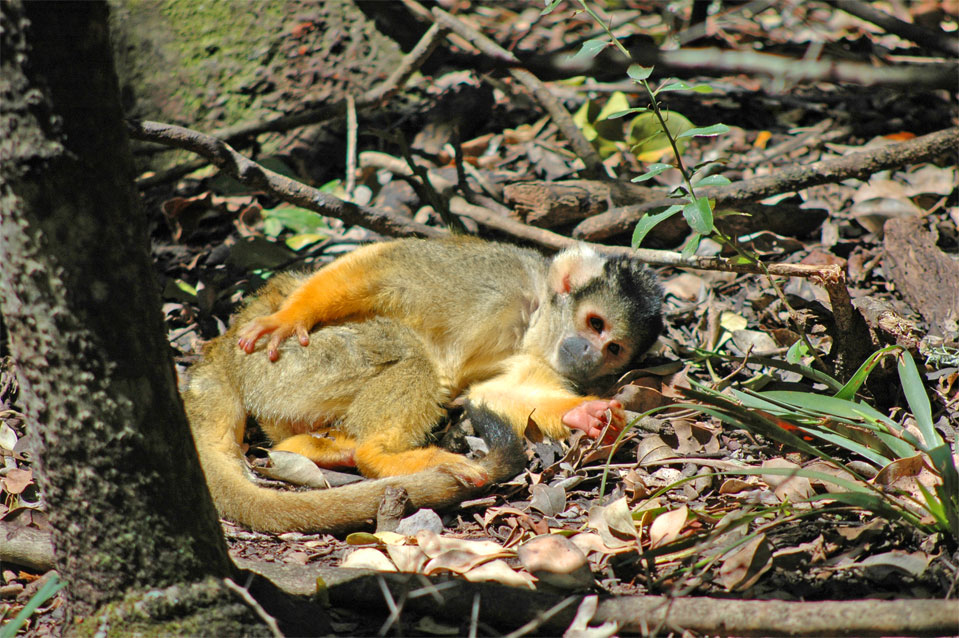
x=606, y=312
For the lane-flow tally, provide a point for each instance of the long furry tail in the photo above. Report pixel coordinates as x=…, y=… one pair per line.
x=352, y=506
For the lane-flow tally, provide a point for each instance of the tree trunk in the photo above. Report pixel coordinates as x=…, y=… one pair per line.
x=124, y=490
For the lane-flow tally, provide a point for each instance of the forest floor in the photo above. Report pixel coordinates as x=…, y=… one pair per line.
x=692, y=501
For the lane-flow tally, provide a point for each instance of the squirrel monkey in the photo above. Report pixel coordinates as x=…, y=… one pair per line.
x=405, y=326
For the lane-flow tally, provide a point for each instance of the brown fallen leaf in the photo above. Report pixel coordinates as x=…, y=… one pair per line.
x=741, y=569
x=667, y=526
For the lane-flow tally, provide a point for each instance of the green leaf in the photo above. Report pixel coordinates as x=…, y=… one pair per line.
x=298, y=242
x=713, y=180
x=652, y=171
x=619, y=114
x=679, y=85
x=258, y=252
x=708, y=131
x=639, y=73
x=646, y=137
x=917, y=399
x=691, y=245
x=51, y=587
x=649, y=221
x=849, y=390
x=299, y=220
x=699, y=215
x=591, y=48
x=583, y=118
x=550, y=6
x=797, y=351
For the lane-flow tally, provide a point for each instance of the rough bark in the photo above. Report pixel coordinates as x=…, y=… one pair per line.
x=124, y=489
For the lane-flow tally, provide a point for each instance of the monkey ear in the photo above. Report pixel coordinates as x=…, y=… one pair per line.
x=574, y=268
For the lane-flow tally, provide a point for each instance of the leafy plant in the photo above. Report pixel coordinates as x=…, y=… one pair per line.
x=819, y=424
x=655, y=130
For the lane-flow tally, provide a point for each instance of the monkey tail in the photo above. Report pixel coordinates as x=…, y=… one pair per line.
x=343, y=508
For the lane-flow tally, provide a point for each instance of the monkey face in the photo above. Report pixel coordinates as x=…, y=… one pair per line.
x=599, y=344
x=611, y=314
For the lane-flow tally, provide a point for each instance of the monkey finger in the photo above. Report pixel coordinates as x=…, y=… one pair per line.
x=251, y=333
x=273, y=349
x=303, y=335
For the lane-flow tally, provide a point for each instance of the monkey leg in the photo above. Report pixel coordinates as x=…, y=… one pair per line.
x=341, y=289
x=529, y=389
x=392, y=415
x=328, y=449
x=372, y=383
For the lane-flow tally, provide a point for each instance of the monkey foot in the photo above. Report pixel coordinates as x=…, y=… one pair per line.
x=278, y=329
x=592, y=417
x=466, y=472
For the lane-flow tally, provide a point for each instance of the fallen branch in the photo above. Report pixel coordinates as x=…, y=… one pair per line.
x=932, y=39
x=555, y=241
x=560, y=116
x=712, y=61
x=858, y=165
x=508, y=607
x=248, y=172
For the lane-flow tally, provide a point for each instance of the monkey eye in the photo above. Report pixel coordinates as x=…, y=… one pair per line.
x=614, y=349
x=596, y=323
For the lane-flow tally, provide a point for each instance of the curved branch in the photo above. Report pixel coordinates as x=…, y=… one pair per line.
x=250, y=173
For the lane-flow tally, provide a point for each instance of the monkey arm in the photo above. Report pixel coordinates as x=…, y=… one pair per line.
x=344, y=288
x=529, y=389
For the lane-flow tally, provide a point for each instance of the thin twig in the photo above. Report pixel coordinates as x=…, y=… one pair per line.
x=351, y=130
x=269, y=620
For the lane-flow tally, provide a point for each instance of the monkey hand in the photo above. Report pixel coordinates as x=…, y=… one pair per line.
x=592, y=417
x=278, y=326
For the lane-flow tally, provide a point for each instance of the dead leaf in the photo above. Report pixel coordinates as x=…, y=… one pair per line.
x=294, y=468
x=458, y=561
x=498, y=571
x=369, y=558
x=598, y=521
x=667, y=526
x=433, y=545
x=912, y=563
x=548, y=499
x=900, y=468
x=557, y=561
x=744, y=566
x=787, y=488
x=590, y=542
x=686, y=286
x=735, y=485
x=652, y=449
x=407, y=558
x=16, y=480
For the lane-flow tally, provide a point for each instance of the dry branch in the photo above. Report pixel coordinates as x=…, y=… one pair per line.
x=248, y=172
x=509, y=607
x=858, y=165
x=936, y=40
